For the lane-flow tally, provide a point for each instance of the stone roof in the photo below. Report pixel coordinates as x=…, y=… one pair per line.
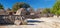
x=2, y=12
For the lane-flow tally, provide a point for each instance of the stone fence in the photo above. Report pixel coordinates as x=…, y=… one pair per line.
x=9, y=19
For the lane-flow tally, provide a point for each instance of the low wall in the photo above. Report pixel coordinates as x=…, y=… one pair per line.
x=9, y=19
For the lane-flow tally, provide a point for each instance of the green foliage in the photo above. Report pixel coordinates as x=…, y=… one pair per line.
x=46, y=10
x=1, y=6
x=20, y=5
x=56, y=8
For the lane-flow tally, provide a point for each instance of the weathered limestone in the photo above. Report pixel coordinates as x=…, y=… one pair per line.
x=17, y=22
x=21, y=11
x=55, y=16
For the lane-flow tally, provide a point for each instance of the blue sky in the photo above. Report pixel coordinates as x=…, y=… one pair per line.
x=33, y=3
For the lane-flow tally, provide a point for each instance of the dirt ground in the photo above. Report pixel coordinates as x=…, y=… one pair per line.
x=49, y=23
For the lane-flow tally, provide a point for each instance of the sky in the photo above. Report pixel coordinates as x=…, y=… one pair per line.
x=33, y=3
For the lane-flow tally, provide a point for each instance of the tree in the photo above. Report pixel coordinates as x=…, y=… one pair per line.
x=56, y=8
x=46, y=10
x=1, y=6
x=31, y=10
x=8, y=9
x=20, y=5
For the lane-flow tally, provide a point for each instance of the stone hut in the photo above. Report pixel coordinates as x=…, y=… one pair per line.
x=2, y=12
x=9, y=12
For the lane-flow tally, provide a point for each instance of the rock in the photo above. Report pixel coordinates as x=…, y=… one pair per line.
x=17, y=22
x=55, y=16
x=21, y=11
